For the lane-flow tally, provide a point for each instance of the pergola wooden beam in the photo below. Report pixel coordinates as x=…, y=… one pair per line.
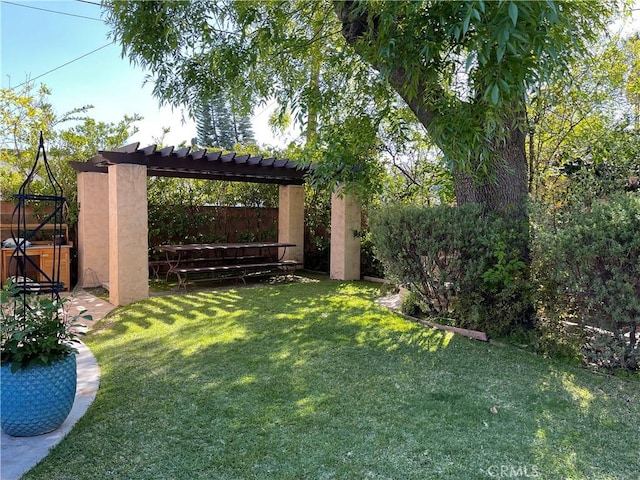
x=201, y=164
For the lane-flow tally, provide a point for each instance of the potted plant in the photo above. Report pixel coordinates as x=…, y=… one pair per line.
x=38, y=360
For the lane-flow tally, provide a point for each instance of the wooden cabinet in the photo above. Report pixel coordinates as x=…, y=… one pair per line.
x=40, y=252
x=41, y=255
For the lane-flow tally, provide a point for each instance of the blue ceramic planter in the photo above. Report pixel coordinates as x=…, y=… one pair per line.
x=37, y=399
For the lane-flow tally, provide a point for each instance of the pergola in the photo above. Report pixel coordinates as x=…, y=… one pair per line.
x=113, y=221
x=202, y=164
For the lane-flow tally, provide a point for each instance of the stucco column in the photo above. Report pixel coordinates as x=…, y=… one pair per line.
x=346, y=221
x=93, y=229
x=291, y=221
x=128, y=234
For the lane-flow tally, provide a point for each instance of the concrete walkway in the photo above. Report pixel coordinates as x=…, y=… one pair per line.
x=19, y=454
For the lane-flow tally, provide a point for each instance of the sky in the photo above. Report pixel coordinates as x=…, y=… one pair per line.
x=34, y=41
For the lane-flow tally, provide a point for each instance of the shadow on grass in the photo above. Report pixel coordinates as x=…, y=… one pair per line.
x=316, y=381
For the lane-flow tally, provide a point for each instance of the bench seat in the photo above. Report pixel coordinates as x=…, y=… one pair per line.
x=240, y=270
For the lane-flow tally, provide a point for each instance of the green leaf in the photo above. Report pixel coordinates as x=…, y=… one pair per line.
x=465, y=24
x=495, y=94
x=504, y=36
x=425, y=51
x=513, y=13
x=469, y=62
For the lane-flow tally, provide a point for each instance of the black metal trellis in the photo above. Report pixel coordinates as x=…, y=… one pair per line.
x=47, y=280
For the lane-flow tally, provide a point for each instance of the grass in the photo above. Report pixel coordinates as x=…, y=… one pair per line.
x=315, y=381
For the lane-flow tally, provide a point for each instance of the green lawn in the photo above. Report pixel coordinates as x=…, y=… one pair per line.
x=314, y=381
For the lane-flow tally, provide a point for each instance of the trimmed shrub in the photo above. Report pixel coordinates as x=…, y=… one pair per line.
x=458, y=261
x=411, y=305
x=587, y=263
x=369, y=264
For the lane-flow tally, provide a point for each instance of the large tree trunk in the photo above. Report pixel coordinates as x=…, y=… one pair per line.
x=505, y=192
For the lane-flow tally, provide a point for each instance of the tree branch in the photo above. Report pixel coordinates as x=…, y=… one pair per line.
x=356, y=26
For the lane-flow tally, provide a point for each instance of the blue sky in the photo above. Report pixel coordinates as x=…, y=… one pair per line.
x=35, y=41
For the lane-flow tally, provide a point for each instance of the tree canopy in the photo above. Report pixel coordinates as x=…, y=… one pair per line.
x=590, y=128
x=72, y=136
x=462, y=67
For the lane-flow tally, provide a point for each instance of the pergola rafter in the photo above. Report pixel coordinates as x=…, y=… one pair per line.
x=200, y=164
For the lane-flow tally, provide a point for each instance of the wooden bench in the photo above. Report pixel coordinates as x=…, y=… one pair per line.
x=229, y=271
x=227, y=260
x=156, y=267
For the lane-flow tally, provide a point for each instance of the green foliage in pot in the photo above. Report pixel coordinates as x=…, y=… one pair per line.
x=36, y=329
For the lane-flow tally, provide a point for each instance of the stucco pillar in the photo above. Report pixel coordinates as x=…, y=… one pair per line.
x=346, y=221
x=291, y=221
x=128, y=234
x=93, y=229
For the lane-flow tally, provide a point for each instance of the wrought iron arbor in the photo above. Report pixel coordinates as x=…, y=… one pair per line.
x=47, y=274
